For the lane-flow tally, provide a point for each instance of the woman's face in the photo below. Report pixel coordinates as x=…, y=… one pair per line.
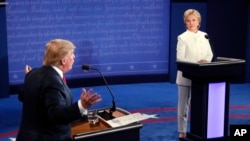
x=192, y=23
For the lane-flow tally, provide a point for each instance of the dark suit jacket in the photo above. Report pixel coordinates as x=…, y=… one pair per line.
x=48, y=107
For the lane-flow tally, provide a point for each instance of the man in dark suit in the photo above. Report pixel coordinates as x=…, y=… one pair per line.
x=48, y=107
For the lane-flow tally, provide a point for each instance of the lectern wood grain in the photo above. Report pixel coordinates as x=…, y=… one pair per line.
x=84, y=127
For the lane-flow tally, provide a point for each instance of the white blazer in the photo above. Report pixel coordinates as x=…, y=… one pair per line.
x=192, y=47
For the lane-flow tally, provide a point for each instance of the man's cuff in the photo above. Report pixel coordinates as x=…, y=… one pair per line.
x=83, y=111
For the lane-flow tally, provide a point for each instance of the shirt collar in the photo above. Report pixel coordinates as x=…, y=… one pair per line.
x=58, y=71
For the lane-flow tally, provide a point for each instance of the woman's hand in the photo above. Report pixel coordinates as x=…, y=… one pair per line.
x=202, y=61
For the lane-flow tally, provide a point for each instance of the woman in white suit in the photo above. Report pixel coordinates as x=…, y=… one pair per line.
x=192, y=46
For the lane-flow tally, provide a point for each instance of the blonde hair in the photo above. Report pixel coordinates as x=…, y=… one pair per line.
x=192, y=12
x=56, y=50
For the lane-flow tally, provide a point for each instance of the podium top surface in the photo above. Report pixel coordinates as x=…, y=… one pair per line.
x=82, y=129
x=223, y=69
x=219, y=61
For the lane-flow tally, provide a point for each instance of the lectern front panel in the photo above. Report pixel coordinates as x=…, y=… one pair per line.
x=216, y=109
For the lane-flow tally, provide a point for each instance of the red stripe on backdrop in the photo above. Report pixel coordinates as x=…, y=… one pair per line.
x=155, y=110
x=174, y=108
x=173, y=118
x=158, y=120
x=240, y=116
x=8, y=134
x=240, y=107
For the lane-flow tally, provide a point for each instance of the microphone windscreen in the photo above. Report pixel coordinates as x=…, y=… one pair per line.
x=85, y=67
x=206, y=36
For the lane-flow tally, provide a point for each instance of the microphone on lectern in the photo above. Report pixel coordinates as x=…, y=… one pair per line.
x=206, y=36
x=212, y=48
x=113, y=108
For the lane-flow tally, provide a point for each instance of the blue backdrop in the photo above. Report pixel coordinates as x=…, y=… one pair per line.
x=118, y=37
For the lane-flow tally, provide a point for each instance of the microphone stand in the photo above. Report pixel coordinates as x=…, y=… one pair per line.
x=113, y=108
x=214, y=59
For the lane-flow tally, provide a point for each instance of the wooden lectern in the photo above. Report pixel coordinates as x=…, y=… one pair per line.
x=82, y=131
x=210, y=96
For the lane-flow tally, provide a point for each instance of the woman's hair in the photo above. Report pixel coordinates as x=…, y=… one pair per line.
x=56, y=50
x=192, y=12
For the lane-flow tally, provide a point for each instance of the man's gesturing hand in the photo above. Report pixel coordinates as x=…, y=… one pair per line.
x=89, y=98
